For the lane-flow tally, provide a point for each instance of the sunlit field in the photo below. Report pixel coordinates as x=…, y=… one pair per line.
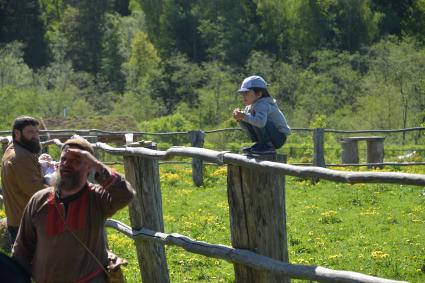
x=374, y=229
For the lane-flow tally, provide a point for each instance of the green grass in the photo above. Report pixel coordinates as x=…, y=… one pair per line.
x=374, y=229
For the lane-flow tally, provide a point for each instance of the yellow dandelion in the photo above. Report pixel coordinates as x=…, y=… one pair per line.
x=379, y=255
x=335, y=256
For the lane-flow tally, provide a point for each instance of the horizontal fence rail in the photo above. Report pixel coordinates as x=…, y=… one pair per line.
x=225, y=157
x=246, y=257
x=373, y=164
x=141, y=133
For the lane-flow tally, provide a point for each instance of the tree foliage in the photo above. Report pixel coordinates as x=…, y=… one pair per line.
x=344, y=64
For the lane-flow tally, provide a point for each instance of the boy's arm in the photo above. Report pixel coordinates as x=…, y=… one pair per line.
x=257, y=115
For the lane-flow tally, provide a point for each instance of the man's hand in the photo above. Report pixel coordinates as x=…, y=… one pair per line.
x=238, y=114
x=92, y=162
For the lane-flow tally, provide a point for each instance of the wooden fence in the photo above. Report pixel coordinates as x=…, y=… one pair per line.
x=256, y=208
x=197, y=138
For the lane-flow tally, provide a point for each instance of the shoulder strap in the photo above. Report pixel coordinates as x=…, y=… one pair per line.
x=81, y=242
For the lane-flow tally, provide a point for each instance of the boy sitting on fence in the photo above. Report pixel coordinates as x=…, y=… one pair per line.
x=261, y=119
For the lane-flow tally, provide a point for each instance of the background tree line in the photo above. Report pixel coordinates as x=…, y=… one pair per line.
x=175, y=65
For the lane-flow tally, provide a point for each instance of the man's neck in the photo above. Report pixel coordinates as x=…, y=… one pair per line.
x=68, y=193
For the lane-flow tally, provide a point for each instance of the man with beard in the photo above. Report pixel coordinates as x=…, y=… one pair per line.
x=61, y=237
x=21, y=174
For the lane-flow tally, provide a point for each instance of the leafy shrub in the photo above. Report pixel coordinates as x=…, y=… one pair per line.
x=170, y=123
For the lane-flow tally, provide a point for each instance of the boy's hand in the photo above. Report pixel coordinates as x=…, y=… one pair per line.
x=238, y=114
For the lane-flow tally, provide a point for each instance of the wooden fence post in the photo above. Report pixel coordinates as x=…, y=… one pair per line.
x=257, y=218
x=146, y=211
x=375, y=151
x=319, y=151
x=43, y=138
x=350, y=151
x=197, y=140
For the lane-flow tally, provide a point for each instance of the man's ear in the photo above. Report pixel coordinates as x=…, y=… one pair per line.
x=17, y=134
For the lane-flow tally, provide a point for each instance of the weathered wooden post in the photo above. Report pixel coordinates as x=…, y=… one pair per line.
x=350, y=151
x=146, y=211
x=258, y=218
x=375, y=150
x=197, y=140
x=319, y=151
x=43, y=138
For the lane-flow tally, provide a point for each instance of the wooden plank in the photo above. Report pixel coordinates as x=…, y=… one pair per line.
x=146, y=211
x=365, y=138
x=258, y=219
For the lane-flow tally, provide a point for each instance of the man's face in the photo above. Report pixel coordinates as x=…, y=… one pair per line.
x=29, y=138
x=73, y=171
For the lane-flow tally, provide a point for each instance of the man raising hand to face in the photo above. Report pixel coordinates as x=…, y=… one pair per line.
x=62, y=236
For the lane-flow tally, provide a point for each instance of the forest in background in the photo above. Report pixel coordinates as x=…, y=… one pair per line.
x=164, y=65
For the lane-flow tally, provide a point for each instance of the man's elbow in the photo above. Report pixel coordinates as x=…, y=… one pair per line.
x=131, y=191
x=128, y=195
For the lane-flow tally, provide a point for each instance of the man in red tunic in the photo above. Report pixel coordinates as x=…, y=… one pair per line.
x=61, y=237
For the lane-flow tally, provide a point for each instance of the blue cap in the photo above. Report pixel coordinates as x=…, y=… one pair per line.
x=251, y=82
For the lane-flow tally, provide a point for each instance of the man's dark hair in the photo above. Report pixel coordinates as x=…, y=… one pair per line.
x=21, y=122
x=264, y=91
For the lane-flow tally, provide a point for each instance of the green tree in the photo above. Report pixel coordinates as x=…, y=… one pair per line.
x=83, y=25
x=229, y=29
x=413, y=24
x=178, y=30
x=112, y=56
x=20, y=21
x=13, y=70
x=393, y=13
x=217, y=96
x=399, y=63
x=274, y=17
x=142, y=71
x=142, y=64
x=153, y=12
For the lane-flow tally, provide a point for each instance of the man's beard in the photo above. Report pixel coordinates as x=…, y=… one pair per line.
x=66, y=183
x=33, y=145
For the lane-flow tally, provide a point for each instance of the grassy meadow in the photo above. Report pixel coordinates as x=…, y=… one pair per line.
x=374, y=229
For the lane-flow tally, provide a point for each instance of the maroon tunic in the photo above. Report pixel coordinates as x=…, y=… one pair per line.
x=49, y=251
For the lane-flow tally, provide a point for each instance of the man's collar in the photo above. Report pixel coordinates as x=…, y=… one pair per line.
x=73, y=196
x=17, y=144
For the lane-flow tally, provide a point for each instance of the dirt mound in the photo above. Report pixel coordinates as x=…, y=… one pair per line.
x=106, y=123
